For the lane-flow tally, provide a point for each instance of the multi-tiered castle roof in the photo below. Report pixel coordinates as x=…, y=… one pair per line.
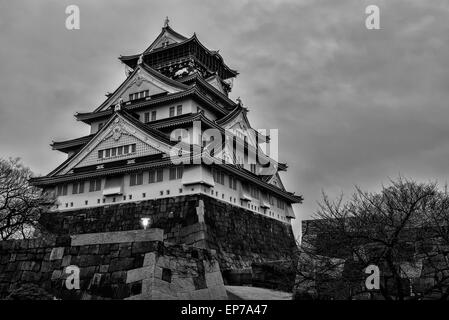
x=160, y=133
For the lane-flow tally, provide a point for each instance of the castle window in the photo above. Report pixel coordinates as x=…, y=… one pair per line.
x=232, y=183
x=172, y=112
x=130, y=197
x=152, y=176
x=135, y=179
x=255, y=193
x=176, y=173
x=153, y=115
x=86, y=202
x=160, y=175
x=147, y=117
x=172, y=175
x=179, y=110
x=139, y=95
x=219, y=176
x=144, y=195
x=78, y=188
x=280, y=204
x=62, y=190
x=94, y=185
x=179, y=172
x=100, y=154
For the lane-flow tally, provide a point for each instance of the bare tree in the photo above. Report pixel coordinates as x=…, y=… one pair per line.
x=402, y=229
x=20, y=203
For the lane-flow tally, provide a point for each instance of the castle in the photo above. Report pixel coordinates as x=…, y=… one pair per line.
x=169, y=149
x=170, y=129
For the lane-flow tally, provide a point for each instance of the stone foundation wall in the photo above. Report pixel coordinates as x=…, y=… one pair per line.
x=244, y=237
x=115, y=265
x=239, y=236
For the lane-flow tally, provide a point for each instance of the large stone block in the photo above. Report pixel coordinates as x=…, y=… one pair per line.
x=149, y=259
x=139, y=274
x=147, y=286
x=118, y=237
x=182, y=284
x=214, y=279
x=57, y=274
x=57, y=253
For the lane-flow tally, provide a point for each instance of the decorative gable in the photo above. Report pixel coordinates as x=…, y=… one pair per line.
x=140, y=81
x=167, y=37
x=120, y=147
x=117, y=133
x=276, y=181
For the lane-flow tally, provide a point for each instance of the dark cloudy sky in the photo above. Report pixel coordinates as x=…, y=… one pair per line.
x=354, y=106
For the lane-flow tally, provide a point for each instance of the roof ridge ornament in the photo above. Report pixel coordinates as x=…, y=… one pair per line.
x=140, y=61
x=239, y=101
x=166, y=22
x=118, y=106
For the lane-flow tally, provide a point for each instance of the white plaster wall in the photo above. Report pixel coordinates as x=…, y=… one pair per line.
x=163, y=111
x=159, y=190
